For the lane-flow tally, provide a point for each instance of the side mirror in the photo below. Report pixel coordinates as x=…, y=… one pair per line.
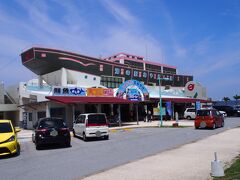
x=17, y=129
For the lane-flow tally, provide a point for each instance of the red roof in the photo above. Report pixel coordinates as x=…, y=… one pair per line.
x=182, y=100
x=92, y=100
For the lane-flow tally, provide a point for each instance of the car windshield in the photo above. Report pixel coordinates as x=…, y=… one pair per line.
x=97, y=119
x=203, y=113
x=5, y=128
x=52, y=123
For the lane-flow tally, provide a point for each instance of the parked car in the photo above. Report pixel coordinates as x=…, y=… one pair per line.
x=91, y=125
x=51, y=130
x=208, y=118
x=190, y=113
x=223, y=113
x=231, y=111
x=8, y=138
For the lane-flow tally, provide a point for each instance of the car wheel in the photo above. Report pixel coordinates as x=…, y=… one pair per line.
x=38, y=147
x=18, y=150
x=196, y=127
x=106, y=137
x=74, y=134
x=189, y=117
x=85, y=137
x=68, y=144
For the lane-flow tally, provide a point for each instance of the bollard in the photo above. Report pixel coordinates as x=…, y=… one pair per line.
x=216, y=167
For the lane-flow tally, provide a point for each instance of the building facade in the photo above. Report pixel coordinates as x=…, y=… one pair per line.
x=69, y=84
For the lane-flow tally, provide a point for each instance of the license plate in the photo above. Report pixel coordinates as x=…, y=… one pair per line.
x=98, y=133
x=54, y=133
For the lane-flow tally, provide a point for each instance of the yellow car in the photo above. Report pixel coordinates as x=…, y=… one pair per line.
x=8, y=138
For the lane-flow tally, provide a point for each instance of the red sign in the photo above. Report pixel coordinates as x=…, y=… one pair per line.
x=191, y=87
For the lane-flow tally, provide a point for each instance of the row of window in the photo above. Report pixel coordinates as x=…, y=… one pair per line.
x=111, y=82
x=111, y=79
x=133, y=64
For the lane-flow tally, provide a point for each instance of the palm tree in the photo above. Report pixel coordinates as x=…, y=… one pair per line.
x=226, y=99
x=236, y=97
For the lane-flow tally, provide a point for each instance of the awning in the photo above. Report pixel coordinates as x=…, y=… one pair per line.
x=87, y=100
x=182, y=100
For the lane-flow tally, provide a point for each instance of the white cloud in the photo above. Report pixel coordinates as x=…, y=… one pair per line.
x=120, y=40
x=203, y=46
x=120, y=12
x=10, y=45
x=39, y=28
x=217, y=64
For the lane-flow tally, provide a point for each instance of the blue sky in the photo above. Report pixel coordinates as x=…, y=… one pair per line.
x=201, y=38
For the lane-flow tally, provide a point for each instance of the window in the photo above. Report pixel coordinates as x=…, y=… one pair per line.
x=51, y=123
x=30, y=116
x=96, y=119
x=41, y=114
x=101, y=67
x=111, y=82
x=203, y=113
x=191, y=110
x=82, y=119
x=1, y=115
x=5, y=128
x=214, y=113
x=77, y=120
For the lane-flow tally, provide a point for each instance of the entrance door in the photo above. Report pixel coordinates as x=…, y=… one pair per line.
x=58, y=112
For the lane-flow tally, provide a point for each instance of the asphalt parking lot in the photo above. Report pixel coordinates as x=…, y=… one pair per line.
x=87, y=158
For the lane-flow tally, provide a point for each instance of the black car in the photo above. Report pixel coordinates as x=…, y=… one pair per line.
x=51, y=131
x=231, y=111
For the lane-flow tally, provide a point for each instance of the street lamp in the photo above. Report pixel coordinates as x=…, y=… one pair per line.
x=160, y=101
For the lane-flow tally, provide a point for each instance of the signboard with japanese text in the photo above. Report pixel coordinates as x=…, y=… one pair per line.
x=99, y=92
x=68, y=91
x=130, y=85
x=122, y=72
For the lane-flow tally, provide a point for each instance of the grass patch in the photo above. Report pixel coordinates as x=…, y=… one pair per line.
x=233, y=172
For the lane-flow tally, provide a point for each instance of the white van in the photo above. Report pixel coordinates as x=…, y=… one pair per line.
x=91, y=125
x=190, y=113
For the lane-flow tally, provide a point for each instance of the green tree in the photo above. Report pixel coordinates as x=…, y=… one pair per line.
x=236, y=97
x=226, y=99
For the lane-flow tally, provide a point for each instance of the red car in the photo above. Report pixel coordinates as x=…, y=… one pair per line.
x=209, y=118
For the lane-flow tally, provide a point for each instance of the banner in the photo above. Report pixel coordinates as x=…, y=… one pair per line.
x=68, y=91
x=169, y=108
x=198, y=105
x=99, y=92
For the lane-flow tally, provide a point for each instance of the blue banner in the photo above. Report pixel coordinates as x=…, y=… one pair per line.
x=169, y=108
x=198, y=105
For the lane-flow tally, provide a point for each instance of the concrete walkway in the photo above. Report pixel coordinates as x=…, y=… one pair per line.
x=190, y=161
x=155, y=123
